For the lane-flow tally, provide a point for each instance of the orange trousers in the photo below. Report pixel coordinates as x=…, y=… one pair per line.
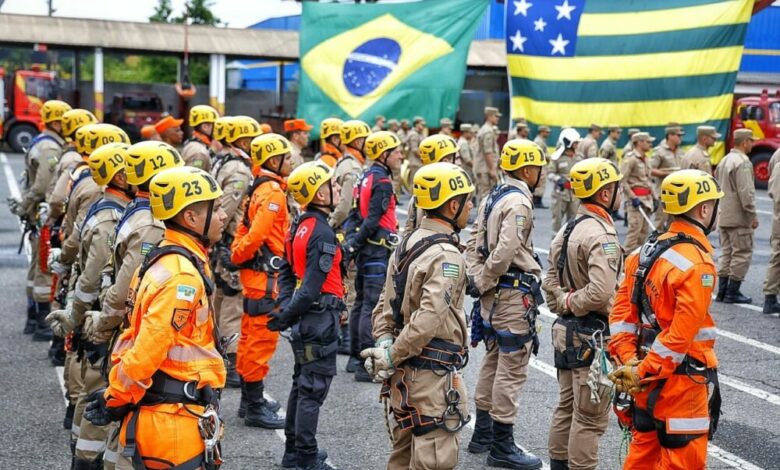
x=646, y=453
x=256, y=347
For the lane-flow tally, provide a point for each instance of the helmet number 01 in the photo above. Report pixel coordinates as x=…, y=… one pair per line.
x=702, y=187
x=192, y=188
x=457, y=183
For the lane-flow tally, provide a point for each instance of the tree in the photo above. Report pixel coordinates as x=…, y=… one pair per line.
x=162, y=12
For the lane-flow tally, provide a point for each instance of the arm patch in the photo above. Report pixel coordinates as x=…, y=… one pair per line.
x=179, y=318
x=326, y=262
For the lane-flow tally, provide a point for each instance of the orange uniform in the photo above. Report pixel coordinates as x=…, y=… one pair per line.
x=679, y=290
x=330, y=154
x=171, y=334
x=260, y=235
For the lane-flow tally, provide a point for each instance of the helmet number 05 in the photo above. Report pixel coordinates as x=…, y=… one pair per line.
x=702, y=187
x=192, y=188
x=457, y=183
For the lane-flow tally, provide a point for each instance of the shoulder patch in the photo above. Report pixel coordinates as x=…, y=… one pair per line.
x=238, y=184
x=329, y=248
x=613, y=263
x=185, y=292
x=146, y=248
x=273, y=207
x=609, y=248
x=179, y=318
x=450, y=269
x=520, y=220
x=707, y=280
x=326, y=262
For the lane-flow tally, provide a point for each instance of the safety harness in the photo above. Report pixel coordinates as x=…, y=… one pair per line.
x=644, y=420
x=80, y=178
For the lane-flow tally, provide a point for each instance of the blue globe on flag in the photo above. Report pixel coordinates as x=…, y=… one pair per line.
x=369, y=64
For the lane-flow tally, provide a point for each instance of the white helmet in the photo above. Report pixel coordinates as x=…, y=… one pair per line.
x=566, y=139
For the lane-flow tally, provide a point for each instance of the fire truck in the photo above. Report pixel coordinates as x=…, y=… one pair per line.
x=22, y=92
x=761, y=114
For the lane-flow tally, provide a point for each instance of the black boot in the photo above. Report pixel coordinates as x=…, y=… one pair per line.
x=31, y=324
x=84, y=464
x=67, y=422
x=559, y=464
x=258, y=414
x=353, y=363
x=242, y=402
x=344, y=349
x=232, y=380
x=57, y=351
x=616, y=216
x=482, y=438
x=313, y=462
x=290, y=457
x=734, y=296
x=362, y=375
x=770, y=304
x=723, y=286
x=505, y=454
x=42, y=330
x=538, y=203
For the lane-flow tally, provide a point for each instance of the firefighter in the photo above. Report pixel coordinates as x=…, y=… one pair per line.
x=608, y=149
x=589, y=146
x=638, y=190
x=698, y=156
x=413, y=140
x=312, y=309
x=167, y=365
x=433, y=149
x=106, y=165
x=233, y=171
x=466, y=157
x=196, y=150
x=257, y=248
x=486, y=153
x=562, y=159
x=666, y=159
x=420, y=331
x=505, y=275
x=330, y=133
x=663, y=333
x=297, y=131
x=542, y=133
x=372, y=240
x=40, y=163
x=585, y=265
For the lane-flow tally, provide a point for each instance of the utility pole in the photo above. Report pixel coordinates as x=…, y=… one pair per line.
x=51, y=7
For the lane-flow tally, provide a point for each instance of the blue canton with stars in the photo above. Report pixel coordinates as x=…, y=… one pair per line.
x=545, y=28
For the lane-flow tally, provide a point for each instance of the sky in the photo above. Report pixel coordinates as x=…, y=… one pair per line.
x=236, y=13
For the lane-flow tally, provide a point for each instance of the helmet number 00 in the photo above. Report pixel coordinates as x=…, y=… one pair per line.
x=192, y=188
x=457, y=183
x=702, y=187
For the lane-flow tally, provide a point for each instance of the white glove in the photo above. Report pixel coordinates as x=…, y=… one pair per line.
x=54, y=256
x=378, y=363
x=556, y=300
x=15, y=206
x=384, y=342
x=61, y=322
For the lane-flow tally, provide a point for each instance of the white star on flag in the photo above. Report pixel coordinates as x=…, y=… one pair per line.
x=539, y=24
x=559, y=45
x=564, y=10
x=518, y=40
x=522, y=7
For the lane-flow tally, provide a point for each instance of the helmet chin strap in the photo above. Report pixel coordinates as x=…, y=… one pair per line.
x=516, y=174
x=203, y=237
x=708, y=229
x=611, y=206
x=454, y=220
x=330, y=206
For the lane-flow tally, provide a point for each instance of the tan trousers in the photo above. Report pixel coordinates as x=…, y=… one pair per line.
x=638, y=229
x=736, y=248
x=436, y=450
x=772, y=282
x=74, y=384
x=484, y=184
x=41, y=282
x=228, y=311
x=92, y=439
x=563, y=210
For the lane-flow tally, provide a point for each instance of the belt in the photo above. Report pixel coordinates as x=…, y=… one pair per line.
x=524, y=282
x=330, y=301
x=440, y=355
x=166, y=389
x=640, y=191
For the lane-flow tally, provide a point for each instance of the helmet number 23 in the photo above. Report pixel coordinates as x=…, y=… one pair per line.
x=192, y=188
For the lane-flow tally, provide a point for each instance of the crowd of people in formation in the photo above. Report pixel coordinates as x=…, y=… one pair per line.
x=164, y=271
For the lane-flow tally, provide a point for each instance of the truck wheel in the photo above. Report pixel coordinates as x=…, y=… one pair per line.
x=761, y=170
x=20, y=136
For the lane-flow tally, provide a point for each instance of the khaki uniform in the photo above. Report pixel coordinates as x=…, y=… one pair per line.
x=628, y=148
x=414, y=216
x=772, y=282
x=510, y=245
x=737, y=212
x=413, y=143
x=297, y=155
x=58, y=187
x=636, y=177
x=197, y=153
x=467, y=157
x=588, y=147
x=40, y=165
x=542, y=186
x=427, y=315
x=95, y=236
x=487, y=142
x=664, y=158
x=697, y=158
x=564, y=203
x=235, y=178
x=82, y=194
x=608, y=150
x=592, y=272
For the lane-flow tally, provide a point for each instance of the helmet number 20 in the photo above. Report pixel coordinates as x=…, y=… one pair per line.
x=192, y=188
x=702, y=187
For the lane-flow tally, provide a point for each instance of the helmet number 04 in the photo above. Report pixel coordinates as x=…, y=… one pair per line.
x=192, y=188
x=457, y=183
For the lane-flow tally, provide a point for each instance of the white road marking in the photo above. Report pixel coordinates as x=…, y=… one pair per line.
x=764, y=212
x=747, y=306
x=13, y=188
x=730, y=459
x=60, y=371
x=764, y=198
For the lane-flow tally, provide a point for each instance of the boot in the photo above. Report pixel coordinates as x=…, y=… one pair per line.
x=313, y=462
x=482, y=438
x=42, y=330
x=505, y=454
x=232, y=380
x=84, y=464
x=258, y=414
x=242, y=402
x=770, y=304
x=57, y=351
x=290, y=457
x=353, y=363
x=362, y=375
x=67, y=422
x=344, y=349
x=733, y=295
x=538, y=203
x=616, y=216
x=31, y=324
x=723, y=286
x=559, y=464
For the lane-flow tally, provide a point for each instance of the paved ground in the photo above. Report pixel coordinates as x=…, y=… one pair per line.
x=351, y=425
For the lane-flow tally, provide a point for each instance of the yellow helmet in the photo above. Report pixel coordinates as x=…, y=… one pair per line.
x=107, y=161
x=306, y=179
x=53, y=110
x=242, y=126
x=90, y=137
x=173, y=189
x=685, y=189
x=221, y=126
x=146, y=159
x=354, y=129
x=592, y=174
x=329, y=127
x=435, y=147
x=76, y=118
x=439, y=182
x=202, y=113
x=518, y=153
x=379, y=143
x=268, y=146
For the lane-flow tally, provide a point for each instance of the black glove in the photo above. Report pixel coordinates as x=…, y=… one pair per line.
x=471, y=288
x=561, y=184
x=656, y=205
x=99, y=413
x=349, y=249
x=636, y=202
x=278, y=321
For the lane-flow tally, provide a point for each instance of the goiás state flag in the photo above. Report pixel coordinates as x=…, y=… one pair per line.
x=397, y=59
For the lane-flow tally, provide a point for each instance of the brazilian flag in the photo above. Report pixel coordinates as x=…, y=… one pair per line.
x=397, y=59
